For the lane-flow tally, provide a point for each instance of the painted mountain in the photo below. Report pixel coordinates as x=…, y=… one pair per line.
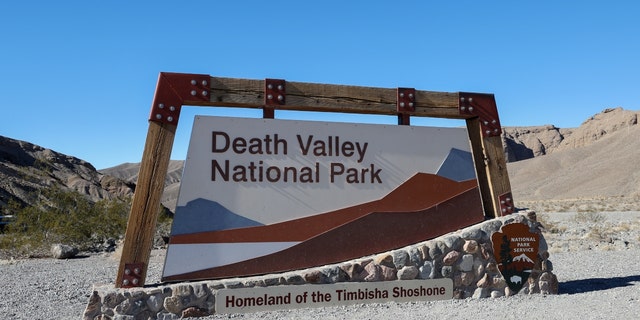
x=423, y=207
x=523, y=258
x=201, y=215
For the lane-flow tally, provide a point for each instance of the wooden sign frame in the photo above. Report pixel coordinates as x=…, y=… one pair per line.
x=174, y=90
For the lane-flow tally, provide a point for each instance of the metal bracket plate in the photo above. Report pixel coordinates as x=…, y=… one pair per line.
x=174, y=90
x=132, y=275
x=506, y=204
x=484, y=107
x=406, y=100
x=274, y=92
x=405, y=104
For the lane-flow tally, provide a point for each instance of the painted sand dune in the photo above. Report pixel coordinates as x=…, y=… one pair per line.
x=423, y=207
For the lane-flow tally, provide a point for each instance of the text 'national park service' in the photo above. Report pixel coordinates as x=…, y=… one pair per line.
x=330, y=147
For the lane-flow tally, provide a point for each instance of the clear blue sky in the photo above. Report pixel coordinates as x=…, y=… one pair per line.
x=78, y=77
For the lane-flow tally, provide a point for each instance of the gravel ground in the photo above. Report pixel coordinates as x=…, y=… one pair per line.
x=599, y=278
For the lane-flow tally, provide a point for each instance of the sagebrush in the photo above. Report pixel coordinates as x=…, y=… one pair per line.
x=62, y=216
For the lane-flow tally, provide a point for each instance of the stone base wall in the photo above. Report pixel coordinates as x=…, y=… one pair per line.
x=466, y=256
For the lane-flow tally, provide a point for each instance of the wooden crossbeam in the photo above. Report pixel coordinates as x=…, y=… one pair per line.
x=301, y=96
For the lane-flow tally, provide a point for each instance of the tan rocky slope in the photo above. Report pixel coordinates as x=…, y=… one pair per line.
x=129, y=173
x=523, y=143
x=597, y=167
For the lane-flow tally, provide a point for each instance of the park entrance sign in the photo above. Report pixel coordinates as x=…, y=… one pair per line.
x=257, y=192
x=342, y=153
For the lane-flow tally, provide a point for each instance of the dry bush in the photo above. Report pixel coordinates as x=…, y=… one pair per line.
x=62, y=216
x=589, y=217
x=550, y=226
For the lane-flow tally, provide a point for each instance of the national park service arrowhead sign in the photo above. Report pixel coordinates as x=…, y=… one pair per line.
x=516, y=250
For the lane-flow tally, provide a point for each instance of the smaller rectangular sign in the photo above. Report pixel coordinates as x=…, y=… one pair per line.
x=311, y=296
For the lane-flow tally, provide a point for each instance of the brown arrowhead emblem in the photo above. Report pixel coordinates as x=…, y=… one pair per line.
x=515, y=248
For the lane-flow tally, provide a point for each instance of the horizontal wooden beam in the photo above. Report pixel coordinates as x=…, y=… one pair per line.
x=246, y=93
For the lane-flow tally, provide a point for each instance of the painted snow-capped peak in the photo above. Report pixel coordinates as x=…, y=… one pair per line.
x=523, y=257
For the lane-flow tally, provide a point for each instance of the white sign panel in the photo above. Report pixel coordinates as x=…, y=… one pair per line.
x=248, y=184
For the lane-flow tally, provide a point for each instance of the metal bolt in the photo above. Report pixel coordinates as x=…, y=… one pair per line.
x=496, y=130
x=205, y=93
x=494, y=121
x=170, y=118
x=401, y=94
x=502, y=202
x=410, y=95
x=136, y=270
x=127, y=271
x=270, y=97
x=504, y=210
x=462, y=108
x=401, y=104
x=125, y=282
x=411, y=104
x=193, y=82
x=135, y=281
x=193, y=92
x=158, y=116
x=486, y=122
x=280, y=87
x=204, y=82
x=470, y=100
x=488, y=131
x=462, y=99
x=269, y=86
x=508, y=199
x=280, y=97
x=470, y=108
x=161, y=106
x=172, y=108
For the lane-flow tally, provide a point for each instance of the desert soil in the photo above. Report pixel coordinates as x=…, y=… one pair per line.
x=596, y=257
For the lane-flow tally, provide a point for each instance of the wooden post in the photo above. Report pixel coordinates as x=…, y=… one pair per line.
x=172, y=90
x=146, y=203
x=496, y=168
x=491, y=168
x=477, y=151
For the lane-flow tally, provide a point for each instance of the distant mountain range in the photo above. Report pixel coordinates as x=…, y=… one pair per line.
x=598, y=160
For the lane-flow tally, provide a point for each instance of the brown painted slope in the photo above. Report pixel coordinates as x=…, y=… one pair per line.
x=372, y=233
x=421, y=191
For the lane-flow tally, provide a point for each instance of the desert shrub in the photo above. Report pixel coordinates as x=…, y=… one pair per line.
x=63, y=216
x=589, y=217
x=549, y=225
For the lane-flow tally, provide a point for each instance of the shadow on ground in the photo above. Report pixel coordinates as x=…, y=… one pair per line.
x=597, y=284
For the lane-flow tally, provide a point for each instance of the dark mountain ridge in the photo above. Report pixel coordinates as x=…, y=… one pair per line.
x=26, y=168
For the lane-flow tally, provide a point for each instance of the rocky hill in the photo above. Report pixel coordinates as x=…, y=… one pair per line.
x=523, y=143
x=26, y=168
x=594, y=167
x=129, y=173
